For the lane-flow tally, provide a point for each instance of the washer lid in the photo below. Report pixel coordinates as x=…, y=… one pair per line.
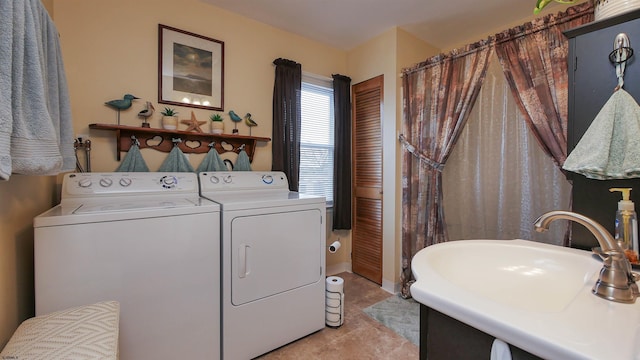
x=81, y=212
x=133, y=204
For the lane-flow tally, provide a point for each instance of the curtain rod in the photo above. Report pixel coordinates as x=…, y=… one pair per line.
x=317, y=77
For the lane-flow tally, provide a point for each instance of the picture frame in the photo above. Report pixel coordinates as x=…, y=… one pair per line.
x=190, y=69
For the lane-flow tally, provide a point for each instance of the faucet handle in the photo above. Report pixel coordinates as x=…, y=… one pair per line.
x=616, y=281
x=612, y=256
x=633, y=279
x=598, y=251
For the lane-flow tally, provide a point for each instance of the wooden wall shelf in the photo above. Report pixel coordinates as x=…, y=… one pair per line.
x=192, y=142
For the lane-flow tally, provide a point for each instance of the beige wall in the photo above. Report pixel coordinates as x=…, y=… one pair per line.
x=373, y=58
x=110, y=48
x=386, y=55
x=340, y=261
x=48, y=4
x=22, y=198
x=106, y=59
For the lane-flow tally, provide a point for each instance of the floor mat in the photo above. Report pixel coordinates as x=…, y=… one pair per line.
x=398, y=314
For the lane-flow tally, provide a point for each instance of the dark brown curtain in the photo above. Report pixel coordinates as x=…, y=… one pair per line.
x=534, y=60
x=438, y=96
x=285, y=145
x=342, y=153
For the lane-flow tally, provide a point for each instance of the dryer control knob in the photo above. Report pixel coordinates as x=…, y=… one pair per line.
x=124, y=182
x=214, y=179
x=168, y=182
x=227, y=179
x=106, y=182
x=267, y=179
x=84, y=183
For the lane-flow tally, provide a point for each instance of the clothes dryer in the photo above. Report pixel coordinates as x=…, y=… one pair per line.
x=147, y=240
x=273, y=260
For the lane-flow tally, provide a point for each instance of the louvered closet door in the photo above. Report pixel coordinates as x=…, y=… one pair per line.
x=366, y=257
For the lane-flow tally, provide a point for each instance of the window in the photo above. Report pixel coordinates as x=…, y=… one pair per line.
x=316, y=138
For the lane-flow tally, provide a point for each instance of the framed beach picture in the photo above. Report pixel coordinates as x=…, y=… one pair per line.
x=190, y=69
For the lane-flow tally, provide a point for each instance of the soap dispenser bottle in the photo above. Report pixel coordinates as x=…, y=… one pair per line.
x=626, y=230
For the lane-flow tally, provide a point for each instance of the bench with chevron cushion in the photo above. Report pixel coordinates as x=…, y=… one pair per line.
x=84, y=332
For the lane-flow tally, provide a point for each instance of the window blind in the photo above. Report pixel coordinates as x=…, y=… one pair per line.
x=317, y=138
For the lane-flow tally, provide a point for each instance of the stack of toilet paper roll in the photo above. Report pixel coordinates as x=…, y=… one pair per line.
x=334, y=314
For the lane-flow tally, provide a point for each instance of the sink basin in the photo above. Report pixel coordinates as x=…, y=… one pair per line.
x=536, y=278
x=532, y=295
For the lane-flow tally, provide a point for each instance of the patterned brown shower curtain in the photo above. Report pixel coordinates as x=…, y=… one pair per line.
x=534, y=60
x=438, y=96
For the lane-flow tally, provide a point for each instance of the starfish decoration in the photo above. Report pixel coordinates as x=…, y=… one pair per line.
x=193, y=124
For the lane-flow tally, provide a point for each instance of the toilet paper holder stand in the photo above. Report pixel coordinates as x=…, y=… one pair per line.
x=335, y=310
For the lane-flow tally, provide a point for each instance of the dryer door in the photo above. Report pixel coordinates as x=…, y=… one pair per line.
x=273, y=253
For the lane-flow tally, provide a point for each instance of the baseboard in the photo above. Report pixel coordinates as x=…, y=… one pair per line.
x=335, y=269
x=390, y=286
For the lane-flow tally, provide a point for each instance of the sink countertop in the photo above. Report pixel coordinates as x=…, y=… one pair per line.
x=586, y=327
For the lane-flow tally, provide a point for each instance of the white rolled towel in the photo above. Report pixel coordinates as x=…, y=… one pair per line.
x=500, y=350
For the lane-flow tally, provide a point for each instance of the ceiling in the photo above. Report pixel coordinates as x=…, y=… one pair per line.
x=345, y=24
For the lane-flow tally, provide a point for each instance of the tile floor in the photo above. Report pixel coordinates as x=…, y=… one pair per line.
x=359, y=338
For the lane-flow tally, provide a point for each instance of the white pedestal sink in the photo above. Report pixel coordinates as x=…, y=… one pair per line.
x=532, y=295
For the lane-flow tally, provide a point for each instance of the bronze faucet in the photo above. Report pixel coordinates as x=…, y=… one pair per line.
x=616, y=281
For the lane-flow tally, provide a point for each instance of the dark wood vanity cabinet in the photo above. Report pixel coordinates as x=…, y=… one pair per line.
x=592, y=79
x=445, y=338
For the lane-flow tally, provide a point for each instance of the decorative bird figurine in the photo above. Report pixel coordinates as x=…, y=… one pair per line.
x=146, y=113
x=236, y=119
x=122, y=104
x=250, y=123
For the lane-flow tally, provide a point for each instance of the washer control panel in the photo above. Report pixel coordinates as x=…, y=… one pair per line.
x=115, y=184
x=242, y=180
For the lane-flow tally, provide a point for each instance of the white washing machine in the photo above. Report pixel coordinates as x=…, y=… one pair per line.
x=273, y=261
x=147, y=240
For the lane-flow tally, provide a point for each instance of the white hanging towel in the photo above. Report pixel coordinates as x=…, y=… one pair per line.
x=500, y=350
x=610, y=148
x=36, y=132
